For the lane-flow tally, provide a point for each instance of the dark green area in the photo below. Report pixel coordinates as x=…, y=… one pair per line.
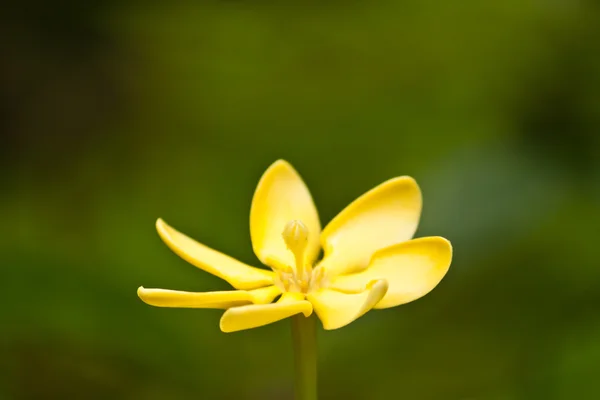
x=114, y=114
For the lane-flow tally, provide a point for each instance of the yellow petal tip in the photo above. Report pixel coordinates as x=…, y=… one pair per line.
x=442, y=246
x=225, y=326
x=378, y=285
x=445, y=241
x=404, y=178
x=146, y=295
x=161, y=225
x=142, y=292
x=307, y=310
x=281, y=161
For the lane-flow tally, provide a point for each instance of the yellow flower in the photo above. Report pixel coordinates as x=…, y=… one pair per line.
x=369, y=261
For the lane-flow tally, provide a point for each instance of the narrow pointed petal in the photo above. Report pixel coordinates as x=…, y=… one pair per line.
x=383, y=216
x=238, y=274
x=223, y=300
x=253, y=316
x=412, y=270
x=265, y=295
x=337, y=309
x=280, y=197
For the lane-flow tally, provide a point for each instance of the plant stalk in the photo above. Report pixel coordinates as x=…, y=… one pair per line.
x=304, y=335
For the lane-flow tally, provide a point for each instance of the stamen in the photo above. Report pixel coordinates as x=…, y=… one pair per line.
x=320, y=274
x=286, y=282
x=295, y=235
x=317, y=277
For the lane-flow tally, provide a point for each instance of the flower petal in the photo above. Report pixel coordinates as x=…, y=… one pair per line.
x=337, y=309
x=238, y=274
x=265, y=295
x=383, y=216
x=253, y=316
x=226, y=299
x=412, y=270
x=280, y=197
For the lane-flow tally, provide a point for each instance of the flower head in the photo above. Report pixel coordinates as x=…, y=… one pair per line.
x=369, y=261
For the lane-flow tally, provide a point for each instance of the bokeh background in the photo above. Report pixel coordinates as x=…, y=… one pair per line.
x=116, y=113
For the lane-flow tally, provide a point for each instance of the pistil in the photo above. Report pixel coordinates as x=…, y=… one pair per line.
x=295, y=235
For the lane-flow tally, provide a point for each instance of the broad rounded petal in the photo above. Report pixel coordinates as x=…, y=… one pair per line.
x=280, y=197
x=383, y=216
x=180, y=299
x=337, y=309
x=412, y=270
x=238, y=274
x=253, y=316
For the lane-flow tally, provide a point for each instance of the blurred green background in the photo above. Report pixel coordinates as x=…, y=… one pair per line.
x=116, y=113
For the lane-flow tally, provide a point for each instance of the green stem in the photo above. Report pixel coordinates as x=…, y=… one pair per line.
x=304, y=334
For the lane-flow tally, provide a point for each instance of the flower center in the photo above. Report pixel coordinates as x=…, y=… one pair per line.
x=303, y=278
